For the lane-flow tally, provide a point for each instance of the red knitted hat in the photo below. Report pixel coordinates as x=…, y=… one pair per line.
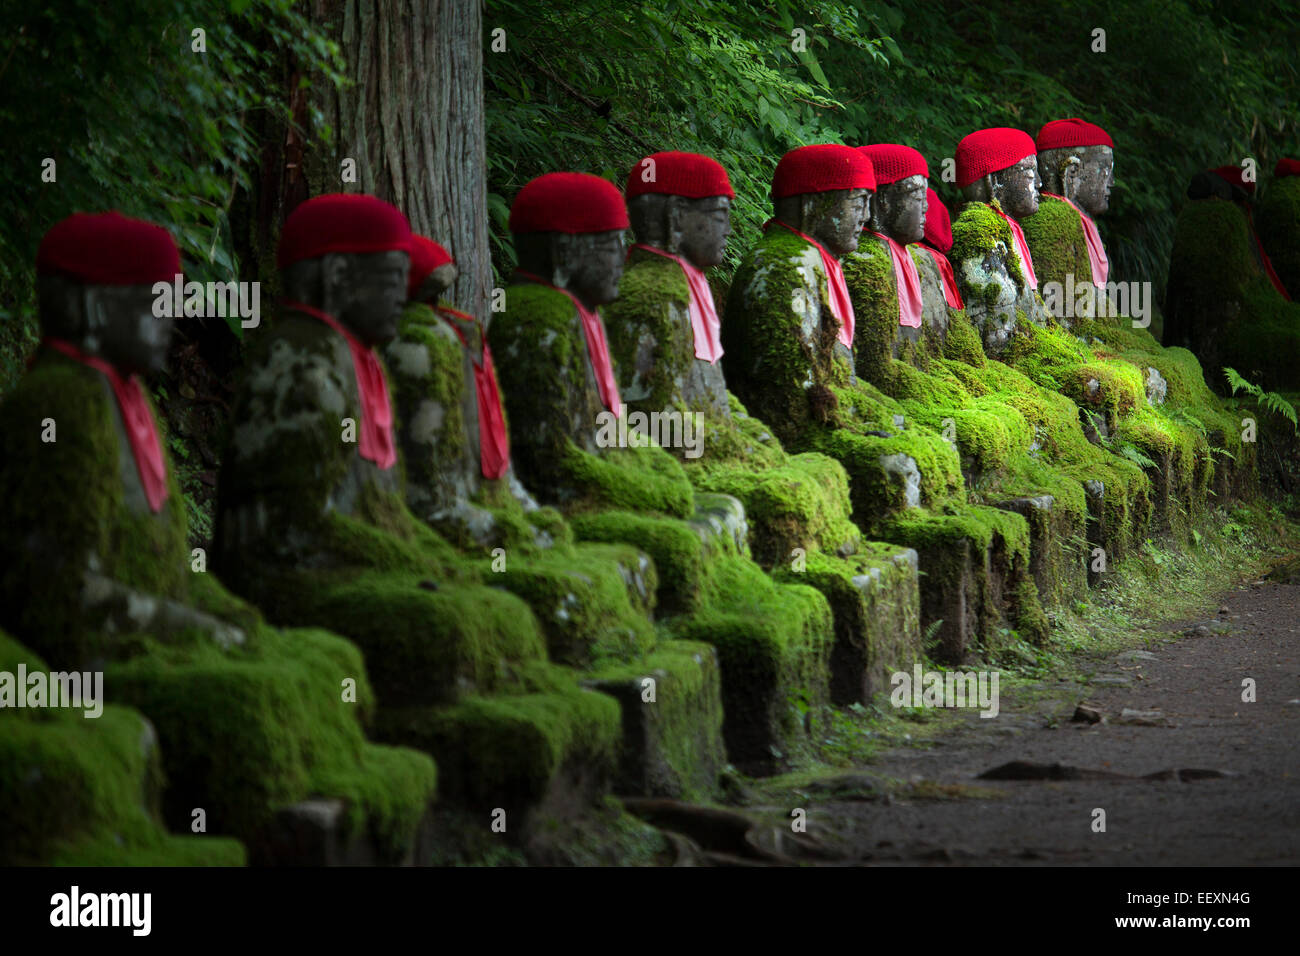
x=819, y=169
x=891, y=162
x=679, y=174
x=342, y=222
x=938, y=224
x=1286, y=167
x=1063, y=133
x=568, y=202
x=426, y=255
x=989, y=151
x=109, y=249
x=1233, y=176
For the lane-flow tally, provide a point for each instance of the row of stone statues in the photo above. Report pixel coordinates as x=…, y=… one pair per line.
x=457, y=512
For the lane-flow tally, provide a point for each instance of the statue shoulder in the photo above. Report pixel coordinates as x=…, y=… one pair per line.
x=976, y=231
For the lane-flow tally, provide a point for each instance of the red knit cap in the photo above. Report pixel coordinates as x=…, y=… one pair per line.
x=819, y=169
x=1233, y=176
x=568, y=202
x=891, y=162
x=1286, y=167
x=342, y=222
x=989, y=151
x=1064, y=133
x=680, y=174
x=426, y=255
x=938, y=224
x=109, y=249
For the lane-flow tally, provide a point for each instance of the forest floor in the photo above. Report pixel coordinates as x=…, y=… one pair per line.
x=1166, y=684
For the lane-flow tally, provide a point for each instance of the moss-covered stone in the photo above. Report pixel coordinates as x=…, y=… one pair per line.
x=672, y=721
x=1055, y=238
x=988, y=272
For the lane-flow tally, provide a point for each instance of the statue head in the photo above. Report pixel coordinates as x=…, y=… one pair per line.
x=568, y=230
x=348, y=254
x=824, y=191
x=898, y=209
x=1223, y=182
x=1000, y=164
x=432, y=271
x=681, y=203
x=1077, y=161
x=96, y=286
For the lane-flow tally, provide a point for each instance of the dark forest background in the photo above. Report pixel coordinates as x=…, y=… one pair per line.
x=450, y=107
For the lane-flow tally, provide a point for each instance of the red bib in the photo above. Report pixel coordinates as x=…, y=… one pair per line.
x=841, y=305
x=493, y=441
x=593, y=330
x=141, y=430
x=950, y=291
x=376, y=413
x=704, y=314
x=908, y=281
x=1022, y=247
x=1264, y=260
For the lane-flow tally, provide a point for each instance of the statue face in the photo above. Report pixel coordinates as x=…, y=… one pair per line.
x=704, y=225
x=900, y=210
x=1020, y=185
x=835, y=218
x=593, y=262
x=1095, y=177
x=130, y=336
x=371, y=291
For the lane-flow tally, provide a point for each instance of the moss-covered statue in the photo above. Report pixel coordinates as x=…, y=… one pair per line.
x=1223, y=300
x=97, y=576
x=883, y=275
x=663, y=331
x=664, y=327
x=1278, y=221
x=312, y=525
x=1077, y=163
x=789, y=349
x=997, y=171
x=578, y=447
x=453, y=435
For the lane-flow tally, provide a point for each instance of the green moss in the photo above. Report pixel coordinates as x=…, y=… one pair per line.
x=975, y=232
x=246, y=732
x=651, y=346
x=84, y=792
x=1055, y=238
x=869, y=275
x=67, y=499
x=962, y=343
x=672, y=745
x=676, y=549
x=508, y=751
x=635, y=478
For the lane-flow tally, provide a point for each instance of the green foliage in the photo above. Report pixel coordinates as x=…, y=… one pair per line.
x=137, y=120
x=1270, y=402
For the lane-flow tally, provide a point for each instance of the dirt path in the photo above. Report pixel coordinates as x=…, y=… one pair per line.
x=938, y=810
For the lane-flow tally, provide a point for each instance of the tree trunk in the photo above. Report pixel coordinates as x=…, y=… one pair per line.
x=412, y=120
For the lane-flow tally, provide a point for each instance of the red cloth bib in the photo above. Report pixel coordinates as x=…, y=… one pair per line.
x=593, y=330
x=376, y=413
x=704, y=314
x=1022, y=247
x=950, y=291
x=493, y=441
x=908, y=281
x=841, y=305
x=1264, y=260
x=141, y=429
x=1096, y=251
